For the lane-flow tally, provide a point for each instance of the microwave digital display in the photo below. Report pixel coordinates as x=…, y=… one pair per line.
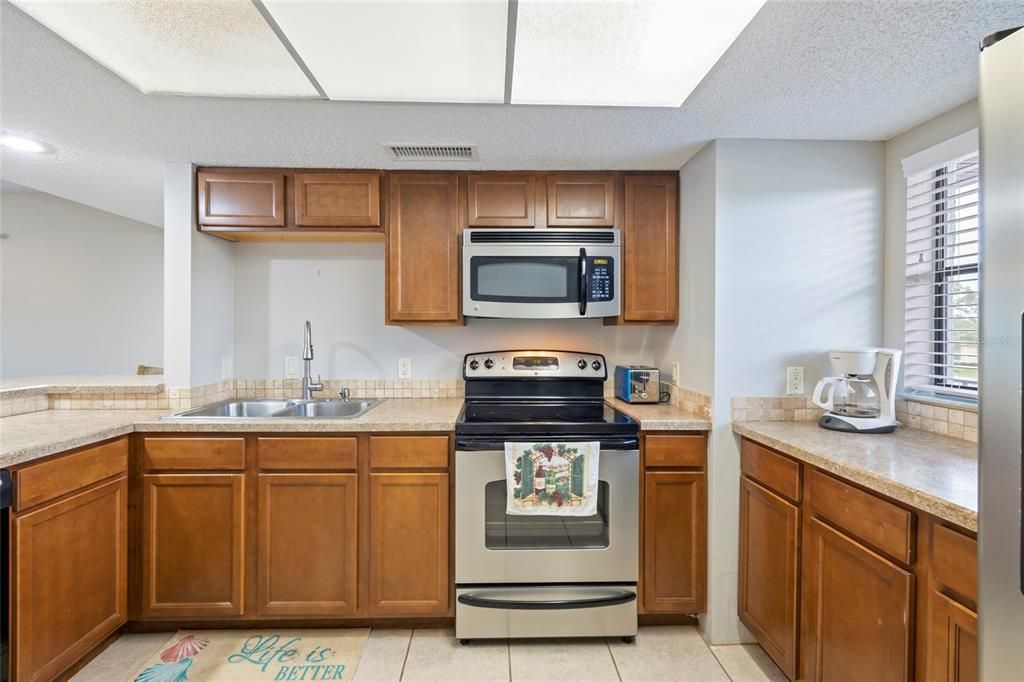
x=535, y=362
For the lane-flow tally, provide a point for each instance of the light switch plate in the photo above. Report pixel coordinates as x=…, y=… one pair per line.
x=794, y=380
x=291, y=367
x=404, y=368
x=675, y=373
x=226, y=367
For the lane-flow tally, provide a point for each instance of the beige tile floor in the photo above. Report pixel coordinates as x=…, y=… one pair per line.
x=676, y=653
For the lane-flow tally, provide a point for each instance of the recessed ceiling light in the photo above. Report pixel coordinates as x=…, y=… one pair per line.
x=650, y=53
x=20, y=143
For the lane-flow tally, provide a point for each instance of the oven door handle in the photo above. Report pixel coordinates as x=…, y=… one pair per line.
x=612, y=599
x=583, y=281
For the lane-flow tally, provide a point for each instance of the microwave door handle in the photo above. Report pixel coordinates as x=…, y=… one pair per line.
x=583, y=281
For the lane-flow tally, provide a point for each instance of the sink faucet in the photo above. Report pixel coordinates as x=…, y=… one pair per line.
x=307, y=355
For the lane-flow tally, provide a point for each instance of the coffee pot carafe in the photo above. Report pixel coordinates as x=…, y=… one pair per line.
x=863, y=397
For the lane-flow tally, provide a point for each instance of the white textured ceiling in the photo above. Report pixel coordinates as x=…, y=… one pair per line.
x=801, y=70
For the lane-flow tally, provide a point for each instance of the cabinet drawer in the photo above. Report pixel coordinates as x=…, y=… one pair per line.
x=772, y=470
x=175, y=454
x=326, y=454
x=879, y=523
x=409, y=452
x=49, y=480
x=674, y=451
x=955, y=561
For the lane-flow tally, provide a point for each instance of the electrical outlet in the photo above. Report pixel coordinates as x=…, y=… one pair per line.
x=226, y=369
x=291, y=367
x=404, y=368
x=675, y=373
x=794, y=380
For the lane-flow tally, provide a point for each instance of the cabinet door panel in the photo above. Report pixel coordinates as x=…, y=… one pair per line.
x=952, y=641
x=856, y=610
x=241, y=199
x=337, y=199
x=423, y=251
x=70, y=579
x=769, y=573
x=193, y=532
x=501, y=200
x=650, y=237
x=581, y=200
x=409, y=544
x=675, y=542
x=307, y=544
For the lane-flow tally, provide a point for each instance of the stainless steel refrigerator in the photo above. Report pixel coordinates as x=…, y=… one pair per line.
x=1001, y=567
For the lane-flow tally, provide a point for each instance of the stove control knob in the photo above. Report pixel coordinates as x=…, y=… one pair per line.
x=474, y=364
x=582, y=364
x=488, y=363
x=596, y=364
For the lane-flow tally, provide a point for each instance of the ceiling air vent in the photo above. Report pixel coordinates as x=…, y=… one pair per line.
x=433, y=152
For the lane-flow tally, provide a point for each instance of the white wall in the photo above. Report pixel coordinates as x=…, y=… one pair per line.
x=782, y=251
x=927, y=134
x=339, y=288
x=692, y=342
x=81, y=289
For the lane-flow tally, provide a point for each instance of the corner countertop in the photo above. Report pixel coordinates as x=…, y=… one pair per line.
x=933, y=473
x=661, y=416
x=80, y=383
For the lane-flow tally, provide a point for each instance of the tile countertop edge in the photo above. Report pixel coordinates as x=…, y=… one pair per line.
x=937, y=506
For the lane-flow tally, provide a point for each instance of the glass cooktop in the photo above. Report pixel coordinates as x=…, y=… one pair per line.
x=522, y=418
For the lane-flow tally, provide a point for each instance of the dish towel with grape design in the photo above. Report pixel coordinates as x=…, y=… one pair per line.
x=552, y=478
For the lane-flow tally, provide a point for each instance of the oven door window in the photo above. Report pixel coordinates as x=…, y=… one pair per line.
x=502, y=531
x=525, y=279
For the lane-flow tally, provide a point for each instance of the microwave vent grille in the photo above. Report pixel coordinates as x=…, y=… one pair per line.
x=542, y=237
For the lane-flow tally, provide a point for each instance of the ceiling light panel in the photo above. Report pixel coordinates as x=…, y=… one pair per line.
x=400, y=51
x=200, y=47
x=621, y=53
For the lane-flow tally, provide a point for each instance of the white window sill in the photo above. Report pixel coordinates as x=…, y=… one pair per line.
x=965, y=404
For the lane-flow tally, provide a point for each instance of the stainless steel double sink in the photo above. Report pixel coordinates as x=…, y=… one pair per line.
x=279, y=409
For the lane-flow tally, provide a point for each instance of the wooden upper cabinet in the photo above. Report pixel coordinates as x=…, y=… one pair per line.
x=584, y=200
x=856, y=613
x=650, y=239
x=769, y=572
x=501, y=200
x=335, y=199
x=193, y=545
x=241, y=199
x=675, y=541
x=422, y=261
x=307, y=548
x=69, y=569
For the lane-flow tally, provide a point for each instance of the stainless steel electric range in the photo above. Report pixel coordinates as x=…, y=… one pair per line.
x=543, y=576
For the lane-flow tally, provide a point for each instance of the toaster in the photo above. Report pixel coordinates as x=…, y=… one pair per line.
x=637, y=383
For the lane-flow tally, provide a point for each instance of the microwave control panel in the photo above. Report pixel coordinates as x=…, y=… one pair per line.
x=600, y=278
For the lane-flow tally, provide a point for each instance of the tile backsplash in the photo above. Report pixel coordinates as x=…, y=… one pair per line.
x=947, y=421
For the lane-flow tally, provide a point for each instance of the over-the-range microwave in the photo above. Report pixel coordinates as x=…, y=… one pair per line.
x=541, y=273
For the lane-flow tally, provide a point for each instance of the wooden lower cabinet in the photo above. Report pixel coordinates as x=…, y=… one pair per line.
x=952, y=641
x=857, y=609
x=769, y=572
x=408, y=543
x=193, y=545
x=69, y=572
x=674, y=541
x=307, y=548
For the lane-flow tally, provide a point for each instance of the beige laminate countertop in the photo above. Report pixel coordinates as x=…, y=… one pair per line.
x=661, y=416
x=80, y=383
x=26, y=437
x=933, y=473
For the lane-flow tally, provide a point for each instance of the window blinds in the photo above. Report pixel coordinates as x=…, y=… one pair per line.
x=941, y=351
